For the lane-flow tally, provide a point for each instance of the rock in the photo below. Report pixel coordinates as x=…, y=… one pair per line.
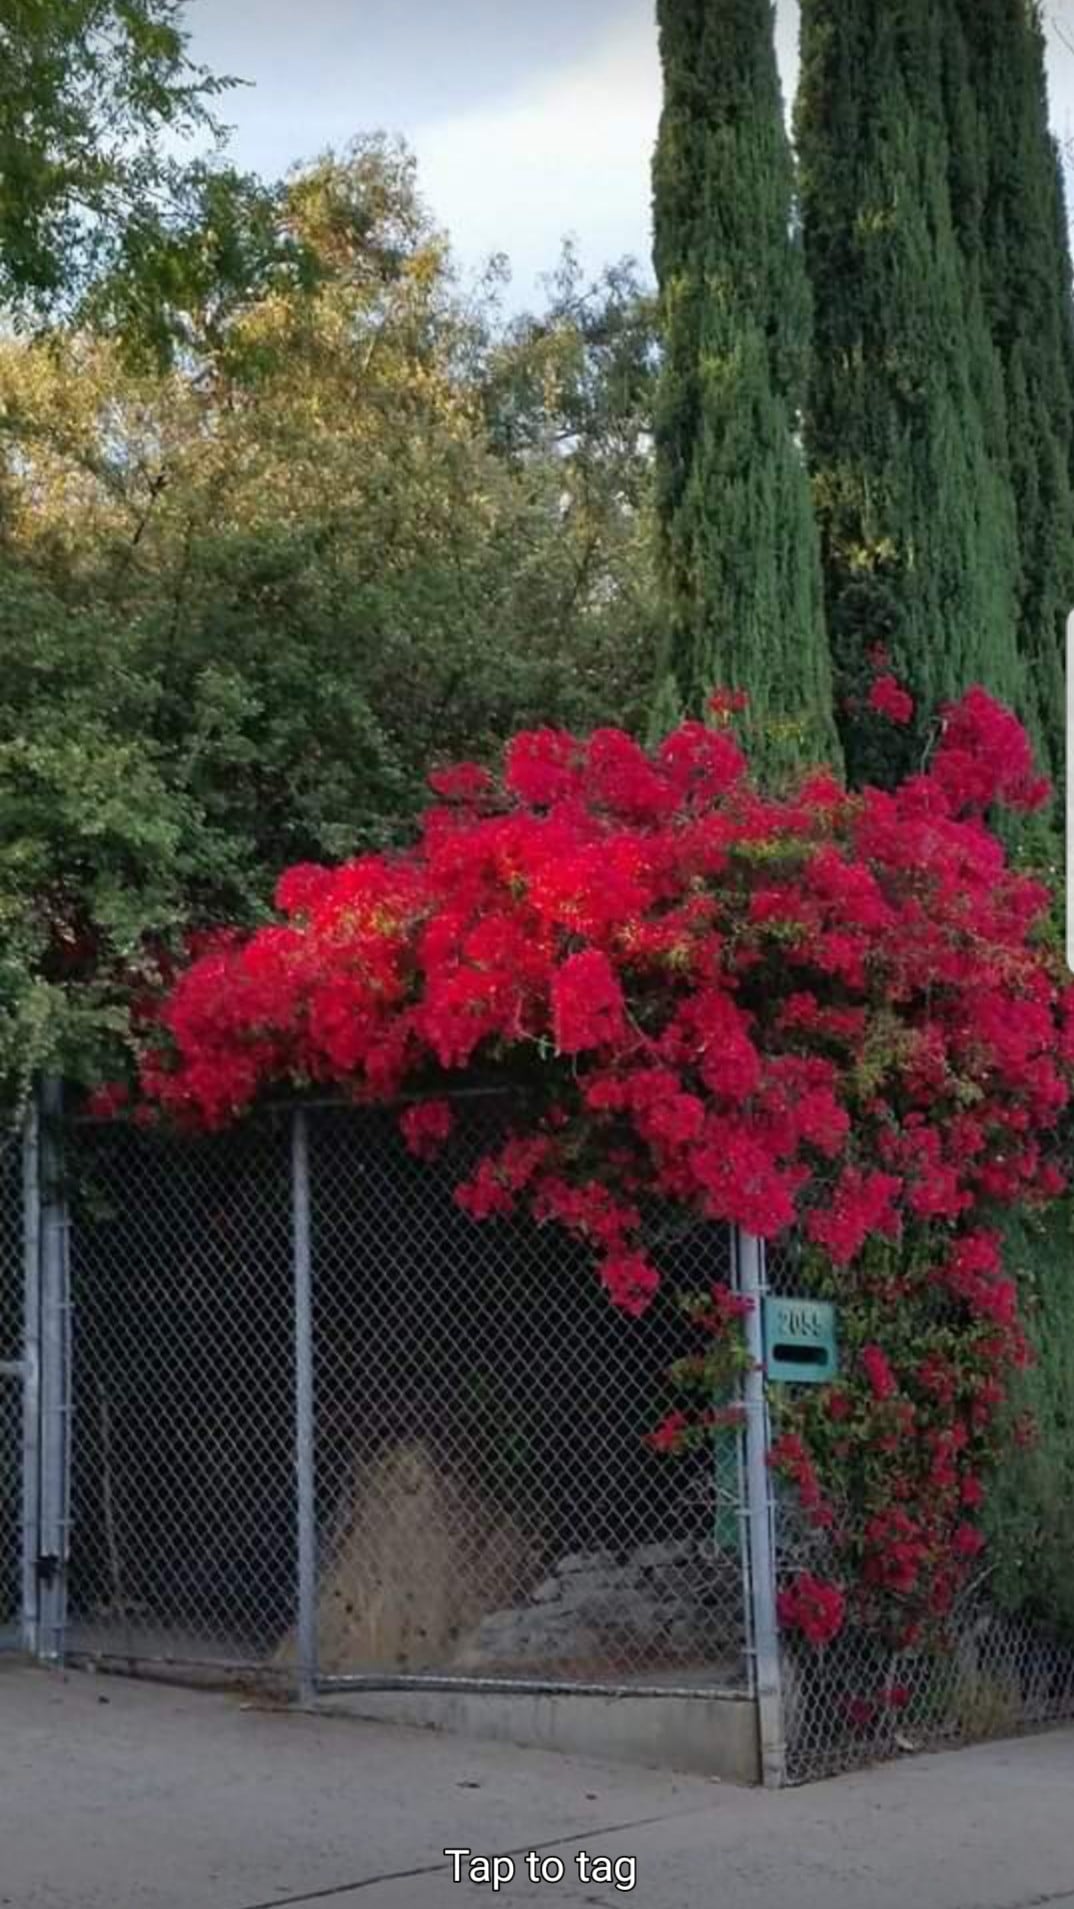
x=498, y=1623
x=547, y=1589
x=585, y=1561
x=650, y=1557
x=581, y=1588
x=661, y=1604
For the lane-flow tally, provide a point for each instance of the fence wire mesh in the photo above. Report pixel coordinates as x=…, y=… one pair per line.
x=854, y=1703
x=485, y=1503
x=11, y=1351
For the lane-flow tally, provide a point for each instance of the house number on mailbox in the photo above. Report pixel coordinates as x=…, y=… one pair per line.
x=800, y=1322
x=799, y=1337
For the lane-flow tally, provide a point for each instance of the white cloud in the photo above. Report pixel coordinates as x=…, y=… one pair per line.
x=569, y=155
x=1061, y=75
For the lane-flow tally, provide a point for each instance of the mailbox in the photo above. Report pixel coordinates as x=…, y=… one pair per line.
x=799, y=1339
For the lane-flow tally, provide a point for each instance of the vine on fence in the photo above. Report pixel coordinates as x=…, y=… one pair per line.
x=832, y=1011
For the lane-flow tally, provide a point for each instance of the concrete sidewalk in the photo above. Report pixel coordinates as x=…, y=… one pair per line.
x=115, y=1795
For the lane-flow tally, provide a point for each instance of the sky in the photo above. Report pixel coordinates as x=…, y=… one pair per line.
x=531, y=120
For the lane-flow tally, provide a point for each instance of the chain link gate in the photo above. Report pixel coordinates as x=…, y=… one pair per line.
x=183, y=1481
x=487, y=1508
x=11, y=1391
x=332, y=1432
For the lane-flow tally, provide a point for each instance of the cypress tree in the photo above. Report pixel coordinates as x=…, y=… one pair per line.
x=1011, y=218
x=905, y=427
x=738, y=544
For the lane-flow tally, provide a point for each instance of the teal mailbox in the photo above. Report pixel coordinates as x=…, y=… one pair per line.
x=799, y=1340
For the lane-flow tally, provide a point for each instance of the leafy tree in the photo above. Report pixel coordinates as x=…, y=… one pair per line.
x=567, y=394
x=90, y=87
x=739, y=552
x=176, y=292
x=904, y=422
x=351, y=525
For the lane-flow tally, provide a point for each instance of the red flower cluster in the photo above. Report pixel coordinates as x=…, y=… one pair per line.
x=671, y=1434
x=830, y=1011
x=888, y=698
x=814, y=1608
x=898, y=1549
x=426, y=1126
x=587, y=1003
x=791, y=1460
x=882, y=1382
x=108, y=1101
x=985, y=756
x=727, y=703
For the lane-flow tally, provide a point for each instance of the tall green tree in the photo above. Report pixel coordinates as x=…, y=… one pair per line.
x=738, y=544
x=904, y=425
x=1009, y=205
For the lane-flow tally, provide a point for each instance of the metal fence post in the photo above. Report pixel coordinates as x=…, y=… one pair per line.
x=54, y=1413
x=305, y=1481
x=760, y=1523
x=31, y=1375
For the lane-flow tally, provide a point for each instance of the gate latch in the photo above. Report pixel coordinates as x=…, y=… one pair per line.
x=46, y=1567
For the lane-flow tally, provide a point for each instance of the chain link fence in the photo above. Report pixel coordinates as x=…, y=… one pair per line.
x=482, y=1504
x=417, y=1455
x=854, y=1703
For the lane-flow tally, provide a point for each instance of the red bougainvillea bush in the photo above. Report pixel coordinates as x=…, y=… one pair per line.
x=831, y=1013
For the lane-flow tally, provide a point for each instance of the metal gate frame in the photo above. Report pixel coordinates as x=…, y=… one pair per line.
x=759, y=1498
x=17, y=1380
x=43, y=1371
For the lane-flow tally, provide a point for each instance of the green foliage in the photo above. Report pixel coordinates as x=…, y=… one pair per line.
x=738, y=543
x=178, y=291
x=1030, y=1530
x=1010, y=215
x=904, y=421
x=254, y=587
x=93, y=839
x=89, y=88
